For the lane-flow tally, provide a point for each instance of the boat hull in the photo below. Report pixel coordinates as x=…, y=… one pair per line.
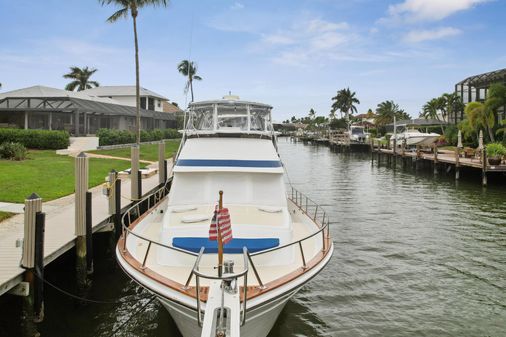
x=418, y=140
x=259, y=322
x=261, y=314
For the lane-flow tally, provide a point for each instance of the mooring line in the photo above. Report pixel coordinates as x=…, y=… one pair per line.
x=79, y=297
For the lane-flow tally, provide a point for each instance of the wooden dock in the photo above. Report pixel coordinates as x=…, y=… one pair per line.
x=59, y=230
x=438, y=159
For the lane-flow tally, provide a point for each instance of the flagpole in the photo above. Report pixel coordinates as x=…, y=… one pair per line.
x=220, y=242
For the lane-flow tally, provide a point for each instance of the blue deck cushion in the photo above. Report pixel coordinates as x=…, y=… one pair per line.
x=233, y=247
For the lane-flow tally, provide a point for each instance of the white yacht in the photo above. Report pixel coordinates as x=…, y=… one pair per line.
x=280, y=237
x=413, y=137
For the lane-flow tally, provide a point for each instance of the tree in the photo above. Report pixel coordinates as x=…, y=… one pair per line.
x=433, y=109
x=81, y=79
x=479, y=116
x=312, y=113
x=189, y=69
x=132, y=7
x=386, y=111
x=453, y=105
x=344, y=101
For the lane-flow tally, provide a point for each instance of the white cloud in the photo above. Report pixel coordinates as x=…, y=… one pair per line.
x=306, y=41
x=237, y=5
x=416, y=36
x=428, y=10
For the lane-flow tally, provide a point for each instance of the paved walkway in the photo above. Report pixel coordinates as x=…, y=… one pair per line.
x=59, y=231
x=96, y=155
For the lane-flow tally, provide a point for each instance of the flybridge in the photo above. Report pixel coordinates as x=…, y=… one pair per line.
x=229, y=115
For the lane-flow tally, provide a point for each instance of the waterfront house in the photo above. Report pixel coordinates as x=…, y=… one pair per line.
x=125, y=94
x=475, y=89
x=81, y=113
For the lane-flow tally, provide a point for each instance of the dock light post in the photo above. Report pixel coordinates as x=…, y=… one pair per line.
x=81, y=188
x=134, y=173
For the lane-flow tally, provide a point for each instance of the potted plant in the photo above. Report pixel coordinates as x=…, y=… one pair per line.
x=495, y=153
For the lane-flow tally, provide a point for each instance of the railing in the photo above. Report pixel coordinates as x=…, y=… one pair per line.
x=310, y=208
x=226, y=277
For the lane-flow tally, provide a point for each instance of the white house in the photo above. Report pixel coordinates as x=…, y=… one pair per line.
x=125, y=94
x=81, y=113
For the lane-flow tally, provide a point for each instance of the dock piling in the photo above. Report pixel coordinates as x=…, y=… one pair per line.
x=89, y=235
x=435, y=160
x=484, y=167
x=81, y=187
x=33, y=206
x=38, y=293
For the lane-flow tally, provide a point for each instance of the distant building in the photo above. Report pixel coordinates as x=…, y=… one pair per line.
x=170, y=107
x=79, y=113
x=125, y=94
x=475, y=89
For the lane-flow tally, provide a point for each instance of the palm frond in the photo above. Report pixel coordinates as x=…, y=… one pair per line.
x=72, y=85
x=197, y=77
x=94, y=83
x=122, y=13
x=155, y=3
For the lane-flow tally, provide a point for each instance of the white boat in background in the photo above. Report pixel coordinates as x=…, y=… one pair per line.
x=414, y=137
x=280, y=240
x=358, y=134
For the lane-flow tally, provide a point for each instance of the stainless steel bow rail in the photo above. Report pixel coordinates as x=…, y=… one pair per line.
x=307, y=206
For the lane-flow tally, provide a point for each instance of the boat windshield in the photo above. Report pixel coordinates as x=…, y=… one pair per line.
x=232, y=117
x=357, y=131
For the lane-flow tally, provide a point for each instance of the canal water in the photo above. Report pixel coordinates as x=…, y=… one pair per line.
x=415, y=255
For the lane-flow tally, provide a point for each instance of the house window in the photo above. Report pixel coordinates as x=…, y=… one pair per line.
x=158, y=103
x=143, y=102
x=151, y=103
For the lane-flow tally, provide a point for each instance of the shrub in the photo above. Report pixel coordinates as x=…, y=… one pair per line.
x=495, y=150
x=117, y=137
x=14, y=151
x=36, y=139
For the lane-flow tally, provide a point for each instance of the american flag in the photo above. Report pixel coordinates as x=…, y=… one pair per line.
x=221, y=220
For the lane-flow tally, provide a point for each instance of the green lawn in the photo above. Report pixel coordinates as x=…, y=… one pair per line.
x=148, y=151
x=49, y=175
x=5, y=215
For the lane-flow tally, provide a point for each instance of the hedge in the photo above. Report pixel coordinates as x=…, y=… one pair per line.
x=36, y=139
x=117, y=137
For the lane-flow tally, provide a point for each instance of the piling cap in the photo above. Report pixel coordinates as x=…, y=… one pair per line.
x=33, y=196
x=81, y=155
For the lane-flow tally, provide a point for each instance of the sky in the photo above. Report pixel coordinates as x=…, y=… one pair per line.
x=292, y=54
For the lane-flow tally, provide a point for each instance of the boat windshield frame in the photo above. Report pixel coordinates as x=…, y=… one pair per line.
x=225, y=116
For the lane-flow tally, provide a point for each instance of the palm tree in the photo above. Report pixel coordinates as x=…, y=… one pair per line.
x=453, y=105
x=312, y=113
x=434, y=108
x=479, y=116
x=345, y=101
x=189, y=69
x=81, y=79
x=132, y=7
x=386, y=111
